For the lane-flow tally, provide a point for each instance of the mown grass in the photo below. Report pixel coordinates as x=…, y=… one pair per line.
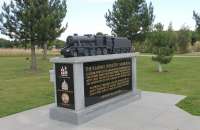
x=182, y=77
x=21, y=89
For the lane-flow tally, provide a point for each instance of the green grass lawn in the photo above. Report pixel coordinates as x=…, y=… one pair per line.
x=21, y=89
x=183, y=77
x=184, y=54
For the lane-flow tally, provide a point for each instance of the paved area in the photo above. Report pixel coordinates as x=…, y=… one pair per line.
x=155, y=111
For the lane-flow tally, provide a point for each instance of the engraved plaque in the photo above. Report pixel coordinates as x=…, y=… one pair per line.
x=106, y=79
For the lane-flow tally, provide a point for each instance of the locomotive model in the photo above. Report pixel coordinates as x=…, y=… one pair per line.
x=90, y=45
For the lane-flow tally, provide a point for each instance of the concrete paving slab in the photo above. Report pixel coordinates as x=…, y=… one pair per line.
x=172, y=118
x=155, y=111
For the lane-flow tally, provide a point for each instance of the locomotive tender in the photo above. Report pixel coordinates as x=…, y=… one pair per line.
x=90, y=45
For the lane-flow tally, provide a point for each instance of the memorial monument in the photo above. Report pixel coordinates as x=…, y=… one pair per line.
x=96, y=75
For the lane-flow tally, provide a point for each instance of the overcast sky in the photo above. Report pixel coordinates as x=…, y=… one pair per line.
x=87, y=16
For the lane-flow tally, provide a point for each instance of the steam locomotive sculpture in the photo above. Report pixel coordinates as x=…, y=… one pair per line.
x=90, y=45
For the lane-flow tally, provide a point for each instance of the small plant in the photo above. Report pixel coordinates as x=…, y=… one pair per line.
x=163, y=46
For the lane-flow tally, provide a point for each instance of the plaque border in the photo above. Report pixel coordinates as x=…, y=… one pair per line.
x=130, y=88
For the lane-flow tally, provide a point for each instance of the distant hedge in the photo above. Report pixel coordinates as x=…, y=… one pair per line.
x=12, y=44
x=6, y=43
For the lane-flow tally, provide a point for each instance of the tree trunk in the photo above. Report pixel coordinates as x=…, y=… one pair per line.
x=33, y=58
x=160, y=67
x=45, y=51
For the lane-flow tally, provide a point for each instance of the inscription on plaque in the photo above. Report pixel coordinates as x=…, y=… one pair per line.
x=65, y=85
x=106, y=79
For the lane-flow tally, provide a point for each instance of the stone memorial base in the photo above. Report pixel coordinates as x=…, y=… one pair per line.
x=79, y=117
x=87, y=87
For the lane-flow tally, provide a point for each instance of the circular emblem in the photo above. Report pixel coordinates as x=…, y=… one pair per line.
x=65, y=98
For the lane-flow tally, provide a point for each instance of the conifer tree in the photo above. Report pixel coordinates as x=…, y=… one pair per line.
x=164, y=46
x=129, y=18
x=32, y=22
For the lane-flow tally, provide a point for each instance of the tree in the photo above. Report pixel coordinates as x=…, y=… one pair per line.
x=50, y=23
x=58, y=44
x=172, y=35
x=26, y=21
x=184, y=39
x=158, y=27
x=196, y=17
x=163, y=47
x=6, y=43
x=128, y=18
x=170, y=27
x=195, y=35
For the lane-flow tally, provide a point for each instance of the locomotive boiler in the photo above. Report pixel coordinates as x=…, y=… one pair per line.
x=90, y=45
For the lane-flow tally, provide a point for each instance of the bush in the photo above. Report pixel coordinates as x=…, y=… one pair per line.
x=184, y=39
x=57, y=43
x=196, y=47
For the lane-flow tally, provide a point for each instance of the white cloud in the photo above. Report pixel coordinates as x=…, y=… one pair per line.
x=4, y=37
x=81, y=29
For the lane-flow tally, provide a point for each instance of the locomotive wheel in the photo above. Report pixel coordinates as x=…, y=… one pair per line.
x=75, y=53
x=98, y=51
x=105, y=51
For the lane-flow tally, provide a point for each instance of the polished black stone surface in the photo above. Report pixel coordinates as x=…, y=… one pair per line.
x=65, y=85
x=106, y=79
